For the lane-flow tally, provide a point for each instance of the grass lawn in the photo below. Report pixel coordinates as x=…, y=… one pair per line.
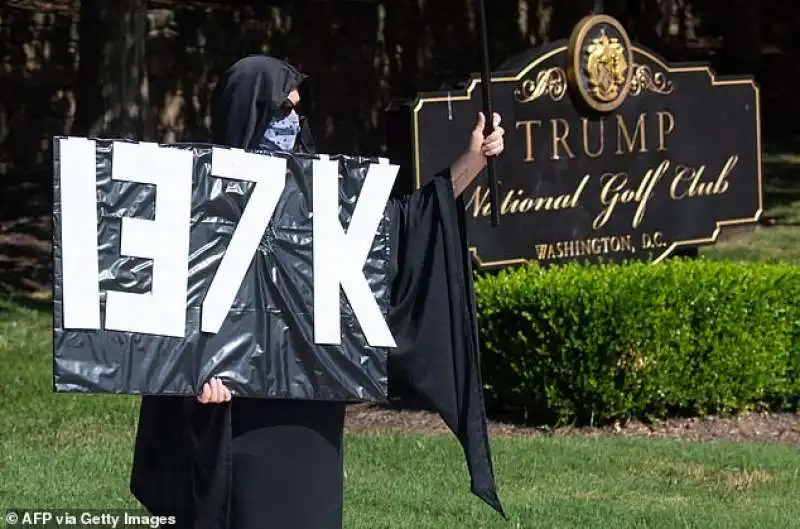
x=74, y=451
x=781, y=202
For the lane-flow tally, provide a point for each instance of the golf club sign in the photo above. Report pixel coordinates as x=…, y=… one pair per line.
x=612, y=153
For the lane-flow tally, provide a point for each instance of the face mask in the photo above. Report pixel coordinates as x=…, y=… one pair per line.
x=281, y=133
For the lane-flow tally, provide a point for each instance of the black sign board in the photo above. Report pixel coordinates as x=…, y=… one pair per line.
x=216, y=260
x=611, y=152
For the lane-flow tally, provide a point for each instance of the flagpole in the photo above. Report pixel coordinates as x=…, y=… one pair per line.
x=488, y=112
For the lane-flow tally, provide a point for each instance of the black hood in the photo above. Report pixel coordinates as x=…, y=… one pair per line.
x=247, y=96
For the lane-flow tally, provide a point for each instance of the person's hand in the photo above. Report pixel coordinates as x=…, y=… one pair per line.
x=214, y=392
x=469, y=165
x=491, y=145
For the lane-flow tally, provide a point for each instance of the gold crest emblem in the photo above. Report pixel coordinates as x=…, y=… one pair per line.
x=601, y=62
x=606, y=67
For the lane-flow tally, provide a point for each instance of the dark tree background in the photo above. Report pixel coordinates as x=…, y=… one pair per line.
x=111, y=89
x=145, y=69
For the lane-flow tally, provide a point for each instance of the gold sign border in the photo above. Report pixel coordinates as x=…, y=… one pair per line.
x=575, y=50
x=634, y=49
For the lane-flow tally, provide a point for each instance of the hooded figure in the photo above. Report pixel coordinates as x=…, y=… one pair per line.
x=252, y=462
x=249, y=97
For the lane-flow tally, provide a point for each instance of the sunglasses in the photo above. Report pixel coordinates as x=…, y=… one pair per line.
x=286, y=108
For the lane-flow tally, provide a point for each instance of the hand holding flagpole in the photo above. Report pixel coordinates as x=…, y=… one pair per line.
x=487, y=111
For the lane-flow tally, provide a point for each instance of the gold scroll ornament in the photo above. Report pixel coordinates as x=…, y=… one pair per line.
x=602, y=71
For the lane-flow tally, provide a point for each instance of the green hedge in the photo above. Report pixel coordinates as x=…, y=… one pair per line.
x=607, y=342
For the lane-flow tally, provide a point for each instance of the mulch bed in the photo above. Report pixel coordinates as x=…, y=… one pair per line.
x=25, y=255
x=757, y=426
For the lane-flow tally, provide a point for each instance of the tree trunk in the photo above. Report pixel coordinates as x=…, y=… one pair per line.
x=742, y=42
x=112, y=88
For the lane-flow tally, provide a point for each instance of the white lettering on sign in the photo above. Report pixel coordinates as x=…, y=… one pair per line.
x=338, y=256
x=80, y=273
x=165, y=240
x=269, y=175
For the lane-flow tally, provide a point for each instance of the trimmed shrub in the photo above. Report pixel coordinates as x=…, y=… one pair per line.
x=617, y=341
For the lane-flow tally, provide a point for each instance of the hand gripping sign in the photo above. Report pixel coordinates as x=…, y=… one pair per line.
x=176, y=263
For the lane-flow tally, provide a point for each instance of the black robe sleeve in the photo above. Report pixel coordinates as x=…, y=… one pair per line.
x=434, y=321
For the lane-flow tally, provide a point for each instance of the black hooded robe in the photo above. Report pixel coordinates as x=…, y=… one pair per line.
x=267, y=463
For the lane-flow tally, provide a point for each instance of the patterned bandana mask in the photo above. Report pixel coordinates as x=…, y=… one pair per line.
x=281, y=133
